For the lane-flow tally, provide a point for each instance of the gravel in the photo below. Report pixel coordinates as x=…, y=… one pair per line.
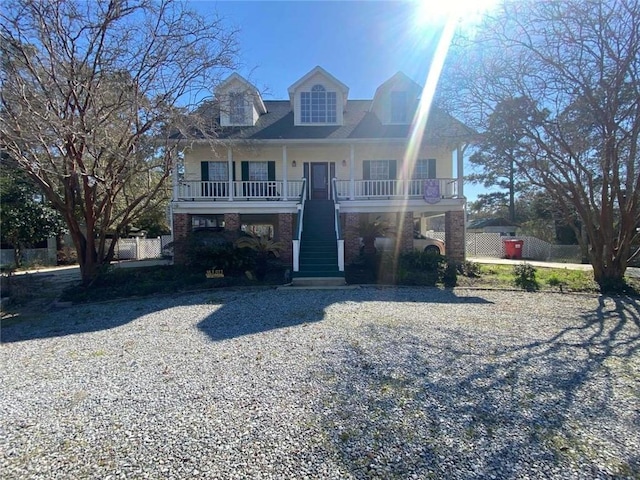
x=354, y=383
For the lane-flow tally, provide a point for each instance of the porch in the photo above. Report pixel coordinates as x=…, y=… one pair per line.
x=428, y=190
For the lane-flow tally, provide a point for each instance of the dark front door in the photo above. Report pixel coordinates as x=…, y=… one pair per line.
x=319, y=181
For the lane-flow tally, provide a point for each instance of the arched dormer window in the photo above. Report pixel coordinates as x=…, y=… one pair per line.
x=318, y=106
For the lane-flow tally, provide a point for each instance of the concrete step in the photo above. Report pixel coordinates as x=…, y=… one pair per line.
x=318, y=282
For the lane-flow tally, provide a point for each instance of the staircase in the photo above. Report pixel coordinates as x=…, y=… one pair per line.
x=318, y=247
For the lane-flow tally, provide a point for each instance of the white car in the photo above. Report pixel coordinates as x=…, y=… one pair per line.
x=420, y=242
x=427, y=244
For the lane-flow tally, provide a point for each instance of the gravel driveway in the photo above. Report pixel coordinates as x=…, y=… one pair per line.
x=361, y=383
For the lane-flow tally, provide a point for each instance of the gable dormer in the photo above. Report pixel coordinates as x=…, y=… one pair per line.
x=240, y=102
x=396, y=100
x=318, y=98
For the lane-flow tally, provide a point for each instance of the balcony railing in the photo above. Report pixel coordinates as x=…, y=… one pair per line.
x=271, y=190
x=379, y=189
x=441, y=188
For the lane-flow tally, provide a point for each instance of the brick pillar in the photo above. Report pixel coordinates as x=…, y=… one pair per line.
x=454, y=231
x=232, y=222
x=285, y=235
x=405, y=236
x=181, y=228
x=351, y=235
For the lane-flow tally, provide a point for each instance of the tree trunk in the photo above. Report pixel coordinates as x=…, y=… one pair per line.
x=609, y=269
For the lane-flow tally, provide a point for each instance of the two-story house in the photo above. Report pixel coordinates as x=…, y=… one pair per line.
x=308, y=170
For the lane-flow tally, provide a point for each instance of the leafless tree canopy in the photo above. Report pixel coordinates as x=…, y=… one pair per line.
x=90, y=94
x=564, y=76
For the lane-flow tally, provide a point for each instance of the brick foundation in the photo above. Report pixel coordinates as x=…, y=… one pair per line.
x=454, y=231
x=232, y=222
x=351, y=235
x=181, y=228
x=285, y=235
x=405, y=236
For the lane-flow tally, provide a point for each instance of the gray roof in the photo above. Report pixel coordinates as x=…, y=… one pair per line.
x=358, y=123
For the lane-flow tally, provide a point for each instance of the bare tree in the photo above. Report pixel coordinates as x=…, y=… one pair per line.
x=91, y=92
x=572, y=69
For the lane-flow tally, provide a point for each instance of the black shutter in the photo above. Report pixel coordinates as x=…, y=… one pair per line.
x=366, y=170
x=392, y=169
x=244, y=171
x=431, y=168
x=204, y=171
x=271, y=171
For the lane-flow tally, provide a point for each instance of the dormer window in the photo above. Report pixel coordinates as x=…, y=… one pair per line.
x=237, y=114
x=318, y=106
x=399, y=107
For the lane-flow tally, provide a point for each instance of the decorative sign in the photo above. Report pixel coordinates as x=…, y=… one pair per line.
x=215, y=273
x=431, y=190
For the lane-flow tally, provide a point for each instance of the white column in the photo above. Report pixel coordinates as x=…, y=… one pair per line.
x=460, y=158
x=174, y=180
x=352, y=172
x=285, y=177
x=230, y=168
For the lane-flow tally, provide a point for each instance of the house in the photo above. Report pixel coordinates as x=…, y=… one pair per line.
x=493, y=225
x=308, y=169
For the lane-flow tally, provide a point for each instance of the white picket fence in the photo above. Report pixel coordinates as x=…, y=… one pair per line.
x=141, y=248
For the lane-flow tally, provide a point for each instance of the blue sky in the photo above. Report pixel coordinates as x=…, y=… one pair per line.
x=362, y=43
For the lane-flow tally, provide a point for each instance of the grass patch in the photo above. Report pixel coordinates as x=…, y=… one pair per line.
x=502, y=276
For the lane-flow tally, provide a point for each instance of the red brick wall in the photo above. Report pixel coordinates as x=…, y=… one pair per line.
x=455, y=235
x=232, y=222
x=351, y=235
x=405, y=236
x=285, y=235
x=181, y=228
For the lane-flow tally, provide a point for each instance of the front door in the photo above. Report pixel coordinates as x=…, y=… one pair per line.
x=319, y=181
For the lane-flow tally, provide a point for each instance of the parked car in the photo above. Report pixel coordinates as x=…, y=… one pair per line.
x=420, y=242
x=428, y=244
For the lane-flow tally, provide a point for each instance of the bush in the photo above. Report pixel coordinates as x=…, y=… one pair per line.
x=421, y=268
x=205, y=250
x=525, y=277
x=450, y=276
x=469, y=269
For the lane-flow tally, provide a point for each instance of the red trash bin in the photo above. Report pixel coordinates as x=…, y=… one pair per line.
x=513, y=248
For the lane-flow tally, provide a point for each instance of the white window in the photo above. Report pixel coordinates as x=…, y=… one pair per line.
x=379, y=170
x=318, y=106
x=399, y=107
x=425, y=168
x=218, y=171
x=237, y=108
x=258, y=171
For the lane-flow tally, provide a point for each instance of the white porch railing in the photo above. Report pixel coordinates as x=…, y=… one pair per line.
x=369, y=189
x=274, y=190
x=242, y=190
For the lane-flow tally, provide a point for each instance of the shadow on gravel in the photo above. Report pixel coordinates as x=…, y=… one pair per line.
x=557, y=407
x=256, y=313
x=243, y=312
x=89, y=317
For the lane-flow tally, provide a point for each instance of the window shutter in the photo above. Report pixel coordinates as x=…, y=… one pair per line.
x=271, y=171
x=366, y=170
x=244, y=167
x=432, y=168
x=233, y=168
x=392, y=169
x=204, y=171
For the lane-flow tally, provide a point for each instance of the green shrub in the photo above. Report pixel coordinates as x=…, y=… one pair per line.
x=421, y=268
x=469, y=269
x=205, y=250
x=450, y=275
x=525, y=277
